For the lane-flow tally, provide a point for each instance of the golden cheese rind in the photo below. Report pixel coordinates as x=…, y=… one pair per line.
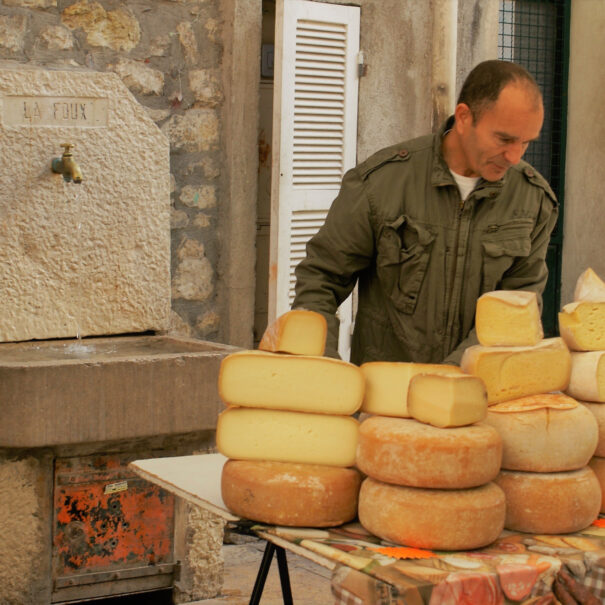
x=597, y=464
x=432, y=518
x=589, y=287
x=387, y=384
x=295, y=495
x=550, y=503
x=546, y=439
x=299, y=332
x=555, y=401
x=587, y=379
x=513, y=372
x=290, y=382
x=406, y=452
x=282, y=436
x=598, y=411
x=582, y=325
x=508, y=318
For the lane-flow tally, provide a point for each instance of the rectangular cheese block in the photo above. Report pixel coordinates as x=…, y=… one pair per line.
x=387, y=382
x=512, y=372
x=281, y=436
x=299, y=332
x=508, y=318
x=587, y=380
x=582, y=325
x=291, y=382
x=589, y=287
x=447, y=401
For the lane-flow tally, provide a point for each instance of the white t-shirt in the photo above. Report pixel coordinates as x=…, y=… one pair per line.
x=465, y=183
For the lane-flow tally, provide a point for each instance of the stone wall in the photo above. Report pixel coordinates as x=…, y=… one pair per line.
x=169, y=54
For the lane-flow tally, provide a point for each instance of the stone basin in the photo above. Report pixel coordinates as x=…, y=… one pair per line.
x=61, y=392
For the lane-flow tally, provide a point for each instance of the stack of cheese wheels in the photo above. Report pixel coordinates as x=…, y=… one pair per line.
x=582, y=325
x=288, y=430
x=429, y=460
x=548, y=438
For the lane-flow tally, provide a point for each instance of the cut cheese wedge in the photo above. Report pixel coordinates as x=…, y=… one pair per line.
x=299, y=332
x=256, y=434
x=550, y=503
x=432, y=518
x=597, y=464
x=508, y=318
x=283, y=493
x=512, y=372
x=598, y=411
x=544, y=433
x=587, y=379
x=447, y=401
x=582, y=326
x=290, y=382
x=406, y=452
x=387, y=383
x=589, y=287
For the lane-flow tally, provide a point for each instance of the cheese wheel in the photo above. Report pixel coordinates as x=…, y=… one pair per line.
x=255, y=434
x=545, y=439
x=508, y=318
x=432, y=518
x=550, y=503
x=587, y=378
x=298, y=495
x=582, y=325
x=299, y=332
x=447, y=401
x=406, y=452
x=598, y=411
x=597, y=464
x=387, y=384
x=589, y=287
x=513, y=372
x=290, y=382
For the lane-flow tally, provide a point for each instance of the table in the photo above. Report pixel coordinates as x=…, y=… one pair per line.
x=516, y=568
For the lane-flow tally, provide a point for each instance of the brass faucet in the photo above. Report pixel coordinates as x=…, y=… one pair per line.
x=67, y=166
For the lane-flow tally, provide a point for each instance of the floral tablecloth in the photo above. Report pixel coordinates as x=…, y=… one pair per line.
x=516, y=568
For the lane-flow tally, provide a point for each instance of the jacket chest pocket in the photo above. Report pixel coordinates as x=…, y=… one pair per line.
x=501, y=245
x=403, y=252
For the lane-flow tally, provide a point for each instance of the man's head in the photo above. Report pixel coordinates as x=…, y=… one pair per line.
x=499, y=112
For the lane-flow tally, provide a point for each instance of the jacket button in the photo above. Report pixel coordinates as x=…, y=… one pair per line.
x=529, y=173
x=403, y=153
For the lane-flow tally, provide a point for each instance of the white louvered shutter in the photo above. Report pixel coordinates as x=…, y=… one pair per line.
x=314, y=135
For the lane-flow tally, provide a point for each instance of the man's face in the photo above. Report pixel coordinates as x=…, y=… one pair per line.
x=501, y=134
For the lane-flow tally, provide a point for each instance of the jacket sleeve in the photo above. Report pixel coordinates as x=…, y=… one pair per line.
x=527, y=272
x=342, y=248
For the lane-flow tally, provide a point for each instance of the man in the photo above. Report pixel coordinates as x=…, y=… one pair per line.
x=424, y=228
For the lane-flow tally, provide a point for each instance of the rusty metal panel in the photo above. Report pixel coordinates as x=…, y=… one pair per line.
x=107, y=518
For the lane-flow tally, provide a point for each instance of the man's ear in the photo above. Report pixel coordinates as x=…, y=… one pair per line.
x=463, y=117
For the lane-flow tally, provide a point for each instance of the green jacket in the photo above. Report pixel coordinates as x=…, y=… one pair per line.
x=421, y=257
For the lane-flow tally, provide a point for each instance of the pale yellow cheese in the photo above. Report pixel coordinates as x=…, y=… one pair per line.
x=508, y=318
x=406, y=452
x=550, y=503
x=582, y=326
x=447, y=401
x=432, y=518
x=587, y=379
x=284, y=493
x=281, y=436
x=597, y=464
x=387, y=383
x=290, y=382
x=598, y=411
x=512, y=372
x=544, y=439
x=299, y=332
x=589, y=287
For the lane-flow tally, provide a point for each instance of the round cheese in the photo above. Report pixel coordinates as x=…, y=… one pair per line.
x=550, y=503
x=597, y=464
x=598, y=411
x=404, y=451
x=544, y=439
x=432, y=518
x=587, y=378
x=297, y=495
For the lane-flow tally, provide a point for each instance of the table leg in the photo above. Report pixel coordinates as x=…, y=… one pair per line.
x=263, y=571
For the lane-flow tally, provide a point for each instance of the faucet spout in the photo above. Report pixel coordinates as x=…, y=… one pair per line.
x=67, y=166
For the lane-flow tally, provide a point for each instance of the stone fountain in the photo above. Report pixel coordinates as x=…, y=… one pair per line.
x=89, y=380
